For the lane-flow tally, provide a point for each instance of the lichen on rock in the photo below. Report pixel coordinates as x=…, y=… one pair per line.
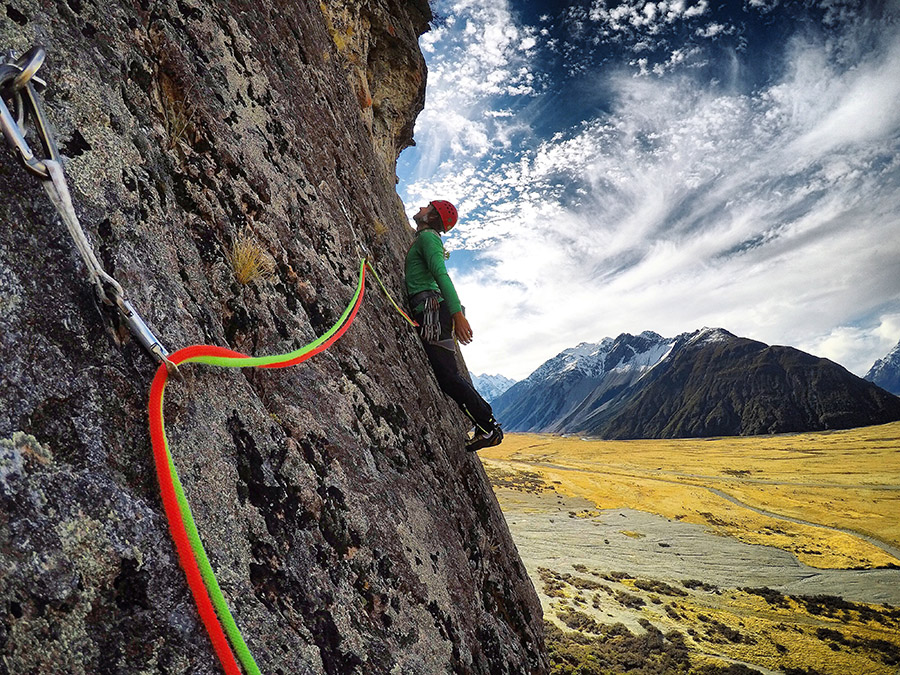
x=349, y=530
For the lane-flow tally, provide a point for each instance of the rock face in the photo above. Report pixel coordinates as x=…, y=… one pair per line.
x=349, y=529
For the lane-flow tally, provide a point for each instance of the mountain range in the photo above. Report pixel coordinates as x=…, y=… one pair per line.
x=886, y=372
x=491, y=386
x=704, y=383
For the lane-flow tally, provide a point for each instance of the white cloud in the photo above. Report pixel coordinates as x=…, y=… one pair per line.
x=467, y=69
x=857, y=347
x=764, y=5
x=697, y=10
x=677, y=58
x=429, y=40
x=773, y=215
x=714, y=29
x=839, y=11
x=647, y=17
x=866, y=106
x=641, y=27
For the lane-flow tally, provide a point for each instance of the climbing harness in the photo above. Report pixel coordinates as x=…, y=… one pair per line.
x=19, y=84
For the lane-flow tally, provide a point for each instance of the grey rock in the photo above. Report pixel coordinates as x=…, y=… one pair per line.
x=349, y=529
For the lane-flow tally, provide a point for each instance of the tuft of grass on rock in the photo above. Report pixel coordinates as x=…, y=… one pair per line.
x=178, y=114
x=249, y=260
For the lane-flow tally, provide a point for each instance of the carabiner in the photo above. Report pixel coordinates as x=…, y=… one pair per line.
x=145, y=336
x=17, y=82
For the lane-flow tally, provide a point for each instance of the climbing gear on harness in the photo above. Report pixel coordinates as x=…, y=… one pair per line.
x=431, y=326
x=430, y=301
x=211, y=604
x=17, y=83
x=447, y=212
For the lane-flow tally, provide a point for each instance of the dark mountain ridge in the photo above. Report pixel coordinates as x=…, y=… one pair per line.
x=706, y=383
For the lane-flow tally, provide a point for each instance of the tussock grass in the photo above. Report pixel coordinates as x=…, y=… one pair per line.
x=178, y=118
x=709, y=631
x=178, y=114
x=249, y=260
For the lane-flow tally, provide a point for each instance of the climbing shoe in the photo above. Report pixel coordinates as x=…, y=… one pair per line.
x=483, y=439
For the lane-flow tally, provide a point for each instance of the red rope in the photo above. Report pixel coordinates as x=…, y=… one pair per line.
x=167, y=488
x=179, y=533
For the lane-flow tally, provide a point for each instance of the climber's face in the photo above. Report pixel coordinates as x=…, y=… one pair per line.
x=423, y=217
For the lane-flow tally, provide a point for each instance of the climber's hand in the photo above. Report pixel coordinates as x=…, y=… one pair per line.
x=462, y=328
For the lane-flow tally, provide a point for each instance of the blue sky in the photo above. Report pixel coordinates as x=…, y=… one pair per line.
x=631, y=166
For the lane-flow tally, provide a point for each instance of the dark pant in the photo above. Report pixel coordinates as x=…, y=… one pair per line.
x=452, y=383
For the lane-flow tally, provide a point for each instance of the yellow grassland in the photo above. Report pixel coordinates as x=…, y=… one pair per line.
x=744, y=627
x=849, y=480
x=722, y=624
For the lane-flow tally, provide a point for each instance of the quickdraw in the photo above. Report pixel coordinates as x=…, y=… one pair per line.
x=18, y=84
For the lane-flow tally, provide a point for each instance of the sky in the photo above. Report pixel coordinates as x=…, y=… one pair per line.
x=665, y=166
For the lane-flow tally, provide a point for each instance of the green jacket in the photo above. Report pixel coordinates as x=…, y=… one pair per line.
x=425, y=270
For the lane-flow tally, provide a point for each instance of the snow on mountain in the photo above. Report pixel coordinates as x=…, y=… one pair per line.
x=491, y=386
x=587, y=358
x=705, y=382
x=645, y=360
x=886, y=372
x=594, y=360
x=708, y=335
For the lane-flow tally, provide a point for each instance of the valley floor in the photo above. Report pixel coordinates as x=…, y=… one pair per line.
x=734, y=555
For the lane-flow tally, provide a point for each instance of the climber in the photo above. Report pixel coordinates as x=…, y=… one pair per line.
x=436, y=308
